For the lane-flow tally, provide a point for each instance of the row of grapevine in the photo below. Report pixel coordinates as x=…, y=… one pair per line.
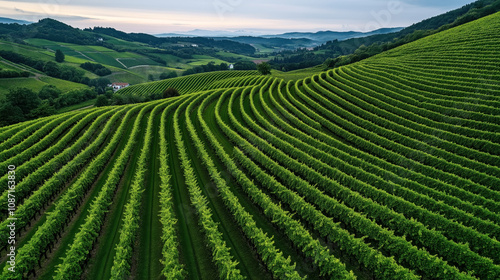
x=172, y=268
x=272, y=257
x=71, y=267
x=30, y=254
x=445, y=149
x=48, y=189
x=185, y=85
x=334, y=146
x=221, y=253
x=25, y=143
x=381, y=266
x=373, y=174
x=422, y=124
x=384, y=152
x=337, y=190
x=31, y=162
x=328, y=264
x=121, y=262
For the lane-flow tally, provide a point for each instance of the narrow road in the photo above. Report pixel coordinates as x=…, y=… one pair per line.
x=121, y=63
x=37, y=75
x=83, y=108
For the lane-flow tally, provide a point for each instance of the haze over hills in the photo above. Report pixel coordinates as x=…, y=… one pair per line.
x=312, y=38
x=10, y=20
x=324, y=36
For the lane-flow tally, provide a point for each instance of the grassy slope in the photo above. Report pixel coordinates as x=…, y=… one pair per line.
x=36, y=85
x=297, y=74
x=184, y=84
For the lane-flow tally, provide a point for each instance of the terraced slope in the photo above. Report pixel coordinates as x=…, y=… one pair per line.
x=384, y=169
x=189, y=84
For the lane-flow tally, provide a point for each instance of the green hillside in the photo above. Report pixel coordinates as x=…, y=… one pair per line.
x=387, y=168
x=187, y=84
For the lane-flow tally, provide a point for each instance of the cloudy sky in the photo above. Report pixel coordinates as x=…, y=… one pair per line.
x=257, y=16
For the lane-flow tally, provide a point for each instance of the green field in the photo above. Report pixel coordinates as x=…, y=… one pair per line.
x=7, y=66
x=204, y=59
x=127, y=67
x=388, y=168
x=94, y=53
x=36, y=84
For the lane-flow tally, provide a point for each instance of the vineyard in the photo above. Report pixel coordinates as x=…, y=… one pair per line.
x=195, y=83
x=388, y=168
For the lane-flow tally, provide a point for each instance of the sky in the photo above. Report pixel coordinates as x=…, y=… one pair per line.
x=238, y=16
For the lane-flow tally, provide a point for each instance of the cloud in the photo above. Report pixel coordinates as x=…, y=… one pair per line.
x=58, y=17
x=439, y=4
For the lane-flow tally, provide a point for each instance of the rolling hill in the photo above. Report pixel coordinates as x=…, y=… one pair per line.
x=190, y=83
x=383, y=169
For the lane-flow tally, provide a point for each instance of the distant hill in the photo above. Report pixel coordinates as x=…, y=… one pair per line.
x=208, y=33
x=10, y=20
x=48, y=29
x=325, y=36
x=449, y=19
x=290, y=40
x=359, y=48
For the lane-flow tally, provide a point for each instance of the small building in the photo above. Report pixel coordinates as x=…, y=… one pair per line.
x=118, y=86
x=194, y=45
x=231, y=67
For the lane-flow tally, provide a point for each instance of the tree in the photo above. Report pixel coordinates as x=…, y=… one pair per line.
x=170, y=92
x=43, y=110
x=10, y=114
x=245, y=65
x=264, y=68
x=59, y=56
x=100, y=84
x=24, y=98
x=165, y=75
x=151, y=77
x=49, y=92
x=223, y=66
x=50, y=68
x=101, y=101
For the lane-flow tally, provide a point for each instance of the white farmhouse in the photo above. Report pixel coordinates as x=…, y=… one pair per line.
x=118, y=86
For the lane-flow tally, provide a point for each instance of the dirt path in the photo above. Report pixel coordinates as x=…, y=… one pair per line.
x=83, y=108
x=138, y=66
x=37, y=75
x=121, y=63
x=86, y=56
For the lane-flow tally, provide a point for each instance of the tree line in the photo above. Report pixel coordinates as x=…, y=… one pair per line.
x=22, y=104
